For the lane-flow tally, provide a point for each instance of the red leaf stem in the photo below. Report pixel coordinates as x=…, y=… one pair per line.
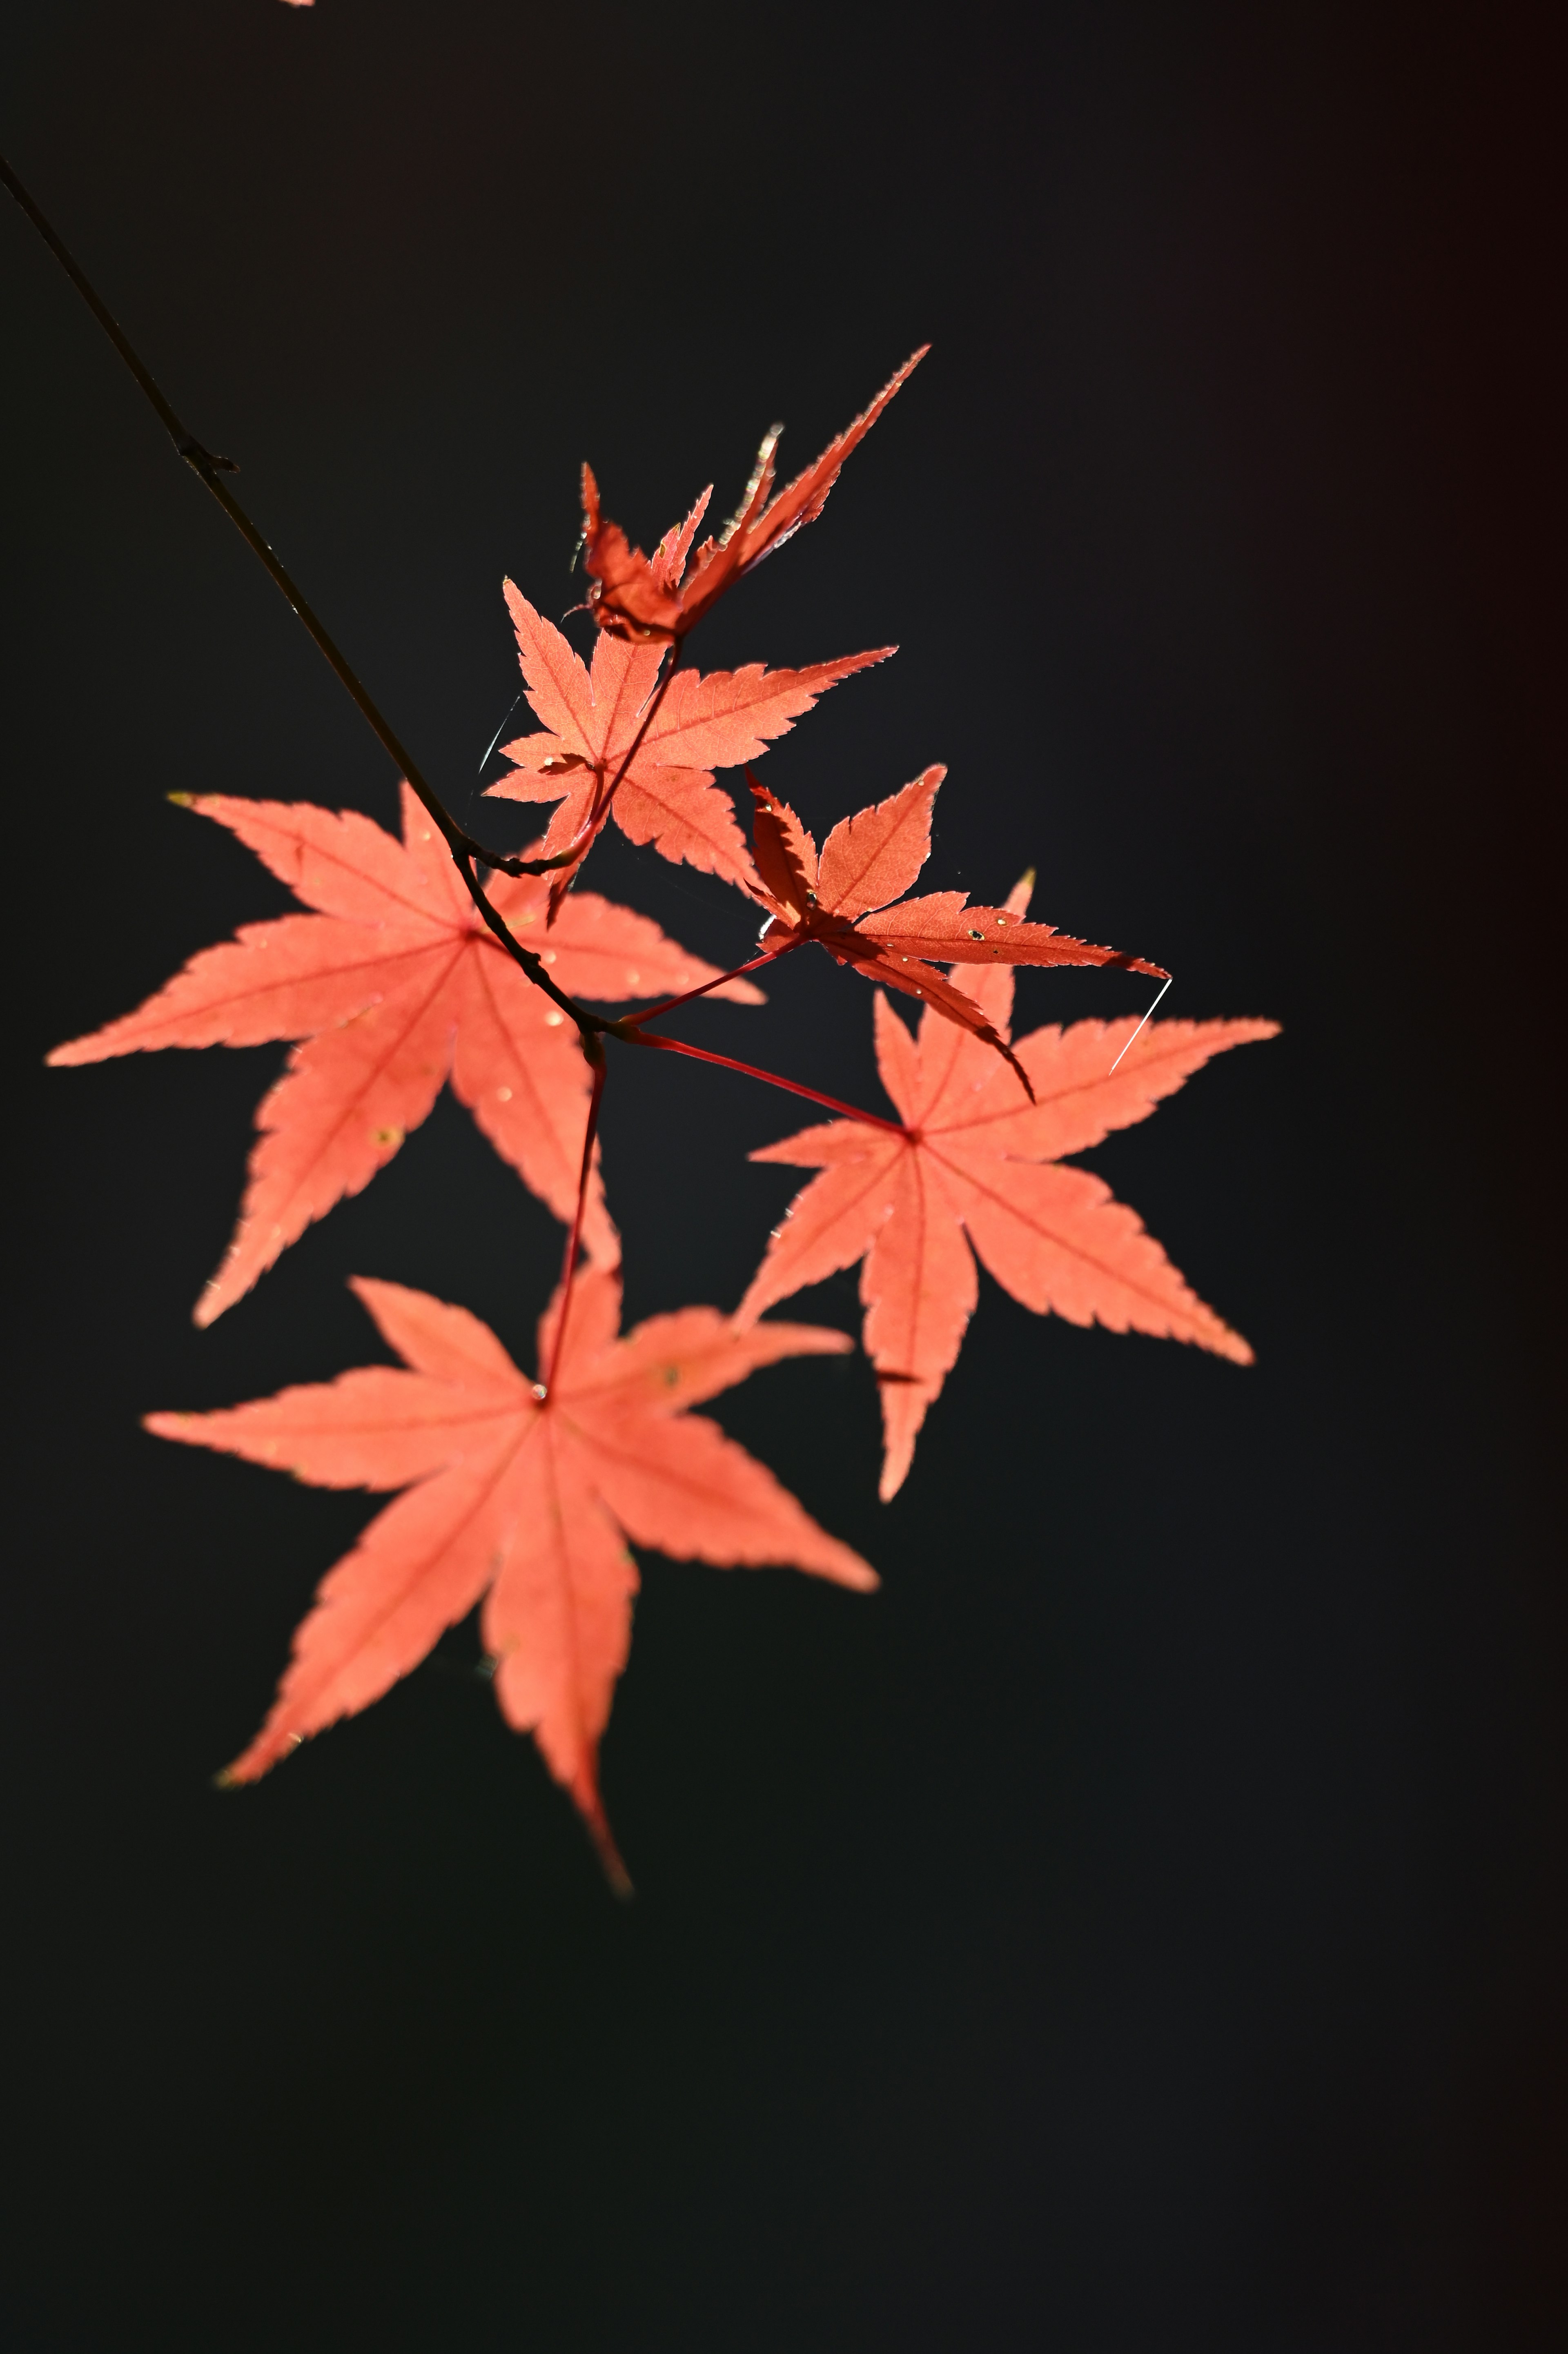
x=574, y=1240
x=771, y=1079
x=668, y=1004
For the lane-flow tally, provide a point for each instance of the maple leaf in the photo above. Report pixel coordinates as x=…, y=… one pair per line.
x=660, y=597
x=841, y=900
x=525, y=1499
x=396, y=985
x=667, y=795
x=974, y=1166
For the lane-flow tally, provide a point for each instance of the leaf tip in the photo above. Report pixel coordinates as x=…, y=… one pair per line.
x=993, y=1038
x=614, y=1870
x=181, y=801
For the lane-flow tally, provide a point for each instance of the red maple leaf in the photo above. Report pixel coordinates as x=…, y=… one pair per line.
x=396, y=985
x=660, y=597
x=975, y=1161
x=591, y=720
x=841, y=901
x=522, y=1497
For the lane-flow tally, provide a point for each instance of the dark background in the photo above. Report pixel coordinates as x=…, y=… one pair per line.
x=1143, y=1926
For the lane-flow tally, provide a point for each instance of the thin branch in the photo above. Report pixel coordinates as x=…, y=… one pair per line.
x=574, y=1240
x=529, y=960
x=750, y=1071
x=210, y=469
x=189, y=448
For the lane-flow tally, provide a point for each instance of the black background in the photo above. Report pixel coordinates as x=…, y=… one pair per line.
x=1143, y=1926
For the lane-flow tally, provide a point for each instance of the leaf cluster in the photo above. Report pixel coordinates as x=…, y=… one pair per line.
x=429, y=961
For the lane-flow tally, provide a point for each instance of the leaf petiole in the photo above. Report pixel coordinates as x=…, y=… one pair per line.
x=633, y=1037
x=668, y=1004
x=595, y=1053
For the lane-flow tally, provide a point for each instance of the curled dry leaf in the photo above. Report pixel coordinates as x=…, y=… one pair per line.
x=660, y=597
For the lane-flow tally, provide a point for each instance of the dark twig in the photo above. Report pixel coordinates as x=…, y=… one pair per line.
x=594, y=1050
x=210, y=469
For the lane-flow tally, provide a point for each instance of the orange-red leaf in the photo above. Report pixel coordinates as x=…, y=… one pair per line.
x=523, y=1499
x=660, y=598
x=875, y=856
x=394, y=986
x=976, y=1161
x=589, y=722
x=841, y=901
x=786, y=856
